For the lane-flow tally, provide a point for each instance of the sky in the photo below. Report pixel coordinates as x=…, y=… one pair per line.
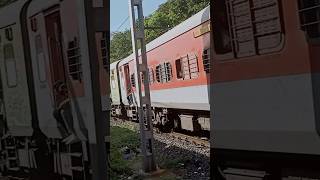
x=119, y=12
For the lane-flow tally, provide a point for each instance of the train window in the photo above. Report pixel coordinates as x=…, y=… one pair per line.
x=246, y=28
x=10, y=65
x=168, y=72
x=206, y=60
x=142, y=77
x=190, y=66
x=309, y=11
x=104, y=52
x=179, y=70
x=164, y=72
x=133, y=81
x=74, y=60
x=151, y=75
x=158, y=73
x=40, y=59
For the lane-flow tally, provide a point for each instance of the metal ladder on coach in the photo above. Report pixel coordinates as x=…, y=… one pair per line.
x=77, y=161
x=70, y=161
x=12, y=154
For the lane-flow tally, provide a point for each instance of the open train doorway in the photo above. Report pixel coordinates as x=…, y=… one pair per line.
x=54, y=38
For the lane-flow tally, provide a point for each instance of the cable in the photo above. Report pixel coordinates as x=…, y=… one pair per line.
x=122, y=23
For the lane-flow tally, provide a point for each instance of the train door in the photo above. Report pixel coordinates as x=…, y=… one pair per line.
x=54, y=38
x=127, y=79
x=128, y=83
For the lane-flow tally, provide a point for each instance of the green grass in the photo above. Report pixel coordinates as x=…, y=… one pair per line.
x=174, y=163
x=121, y=137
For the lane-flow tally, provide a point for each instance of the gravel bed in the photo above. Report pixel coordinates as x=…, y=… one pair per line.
x=191, y=161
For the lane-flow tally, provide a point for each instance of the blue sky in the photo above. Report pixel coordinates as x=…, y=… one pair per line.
x=119, y=12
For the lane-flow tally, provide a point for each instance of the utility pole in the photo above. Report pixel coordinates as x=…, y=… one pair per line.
x=144, y=103
x=94, y=20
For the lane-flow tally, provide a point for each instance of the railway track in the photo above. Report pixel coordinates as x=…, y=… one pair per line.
x=200, y=145
x=200, y=142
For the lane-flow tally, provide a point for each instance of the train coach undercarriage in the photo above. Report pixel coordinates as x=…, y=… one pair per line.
x=29, y=157
x=189, y=122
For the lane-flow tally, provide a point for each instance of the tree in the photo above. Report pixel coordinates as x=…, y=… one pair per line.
x=120, y=46
x=167, y=16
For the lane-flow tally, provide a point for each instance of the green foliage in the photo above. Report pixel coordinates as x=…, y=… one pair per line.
x=121, y=137
x=120, y=46
x=167, y=16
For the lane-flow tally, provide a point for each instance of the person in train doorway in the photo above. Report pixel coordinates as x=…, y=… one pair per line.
x=63, y=113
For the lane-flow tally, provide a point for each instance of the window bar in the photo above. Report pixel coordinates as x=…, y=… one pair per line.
x=254, y=28
x=309, y=8
x=229, y=8
x=266, y=5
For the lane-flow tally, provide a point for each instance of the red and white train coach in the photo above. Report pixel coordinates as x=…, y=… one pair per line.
x=265, y=88
x=178, y=75
x=42, y=43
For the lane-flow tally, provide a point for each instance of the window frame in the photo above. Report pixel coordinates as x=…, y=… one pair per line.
x=164, y=75
x=234, y=54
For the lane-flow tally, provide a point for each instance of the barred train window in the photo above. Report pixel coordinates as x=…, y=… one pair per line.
x=164, y=72
x=247, y=27
x=133, y=81
x=151, y=76
x=10, y=65
x=206, y=60
x=309, y=11
x=190, y=66
x=74, y=60
x=104, y=50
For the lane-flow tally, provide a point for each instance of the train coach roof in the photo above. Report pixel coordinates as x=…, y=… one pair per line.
x=10, y=13
x=192, y=22
x=113, y=65
x=37, y=6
